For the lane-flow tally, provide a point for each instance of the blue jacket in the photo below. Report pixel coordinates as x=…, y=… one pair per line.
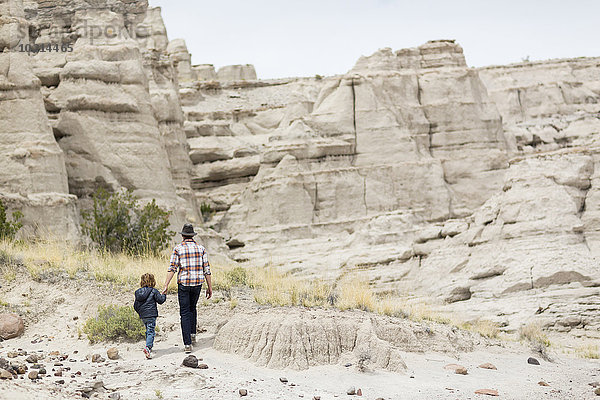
x=145, y=302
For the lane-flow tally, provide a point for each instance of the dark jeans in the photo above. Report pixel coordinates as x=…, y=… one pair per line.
x=188, y=298
x=150, y=331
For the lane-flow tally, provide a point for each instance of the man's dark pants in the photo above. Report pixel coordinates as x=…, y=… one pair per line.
x=188, y=298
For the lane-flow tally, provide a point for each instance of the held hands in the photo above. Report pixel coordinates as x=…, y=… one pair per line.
x=165, y=290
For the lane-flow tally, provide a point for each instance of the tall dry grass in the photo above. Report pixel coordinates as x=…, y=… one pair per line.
x=269, y=286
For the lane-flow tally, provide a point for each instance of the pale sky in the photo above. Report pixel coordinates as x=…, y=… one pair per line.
x=289, y=38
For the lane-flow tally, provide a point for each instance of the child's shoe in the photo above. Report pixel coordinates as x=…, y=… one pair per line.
x=148, y=352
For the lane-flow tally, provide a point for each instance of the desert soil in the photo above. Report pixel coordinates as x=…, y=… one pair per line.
x=59, y=308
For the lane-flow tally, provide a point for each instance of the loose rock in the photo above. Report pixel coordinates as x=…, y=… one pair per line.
x=597, y=391
x=32, y=359
x=283, y=380
x=190, y=361
x=488, y=366
x=458, y=369
x=11, y=326
x=112, y=353
x=4, y=374
x=202, y=366
x=542, y=383
x=33, y=375
x=351, y=391
x=533, y=361
x=359, y=392
x=97, y=358
x=489, y=392
x=243, y=392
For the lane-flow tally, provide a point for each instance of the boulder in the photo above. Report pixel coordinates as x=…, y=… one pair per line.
x=11, y=326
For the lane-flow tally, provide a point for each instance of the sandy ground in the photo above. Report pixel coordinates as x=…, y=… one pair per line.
x=58, y=309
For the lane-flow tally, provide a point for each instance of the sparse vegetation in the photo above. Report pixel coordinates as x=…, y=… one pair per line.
x=9, y=228
x=588, y=351
x=533, y=333
x=118, y=223
x=318, y=77
x=113, y=322
x=207, y=212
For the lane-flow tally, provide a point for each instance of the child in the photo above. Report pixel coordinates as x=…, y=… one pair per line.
x=146, y=298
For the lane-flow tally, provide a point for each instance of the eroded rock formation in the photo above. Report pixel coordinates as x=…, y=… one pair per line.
x=478, y=187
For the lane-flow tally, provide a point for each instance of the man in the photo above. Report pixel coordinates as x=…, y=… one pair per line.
x=191, y=260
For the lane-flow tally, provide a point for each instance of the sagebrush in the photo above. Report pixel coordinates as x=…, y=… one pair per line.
x=114, y=322
x=117, y=222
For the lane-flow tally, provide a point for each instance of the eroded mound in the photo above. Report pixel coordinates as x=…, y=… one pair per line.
x=298, y=339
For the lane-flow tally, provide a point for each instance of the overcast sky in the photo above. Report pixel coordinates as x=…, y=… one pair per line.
x=285, y=38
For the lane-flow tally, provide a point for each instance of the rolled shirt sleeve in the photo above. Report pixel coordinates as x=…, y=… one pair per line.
x=174, y=262
x=205, y=264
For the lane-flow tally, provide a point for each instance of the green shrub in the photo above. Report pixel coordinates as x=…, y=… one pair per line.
x=207, y=211
x=113, y=322
x=117, y=222
x=8, y=229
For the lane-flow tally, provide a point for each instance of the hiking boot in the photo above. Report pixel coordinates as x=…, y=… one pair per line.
x=188, y=349
x=148, y=352
x=193, y=338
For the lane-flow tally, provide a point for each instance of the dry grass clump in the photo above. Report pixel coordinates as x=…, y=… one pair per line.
x=533, y=333
x=588, y=351
x=484, y=327
x=43, y=257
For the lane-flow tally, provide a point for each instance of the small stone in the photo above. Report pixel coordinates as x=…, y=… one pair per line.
x=597, y=391
x=33, y=375
x=202, y=366
x=42, y=371
x=59, y=372
x=316, y=397
x=112, y=353
x=61, y=381
x=533, y=361
x=32, y=359
x=115, y=396
x=542, y=383
x=348, y=365
x=243, y=392
x=12, y=354
x=359, y=392
x=461, y=371
x=97, y=358
x=190, y=361
x=488, y=366
x=4, y=374
x=4, y=364
x=283, y=380
x=351, y=391
x=21, y=369
x=489, y=392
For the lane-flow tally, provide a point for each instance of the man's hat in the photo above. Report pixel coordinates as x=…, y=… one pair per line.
x=188, y=230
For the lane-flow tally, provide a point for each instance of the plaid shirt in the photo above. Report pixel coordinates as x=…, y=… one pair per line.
x=191, y=260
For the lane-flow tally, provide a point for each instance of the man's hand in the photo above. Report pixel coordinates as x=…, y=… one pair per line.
x=169, y=277
x=208, y=292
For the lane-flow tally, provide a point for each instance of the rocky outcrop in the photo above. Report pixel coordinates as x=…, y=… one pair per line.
x=34, y=178
x=301, y=339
